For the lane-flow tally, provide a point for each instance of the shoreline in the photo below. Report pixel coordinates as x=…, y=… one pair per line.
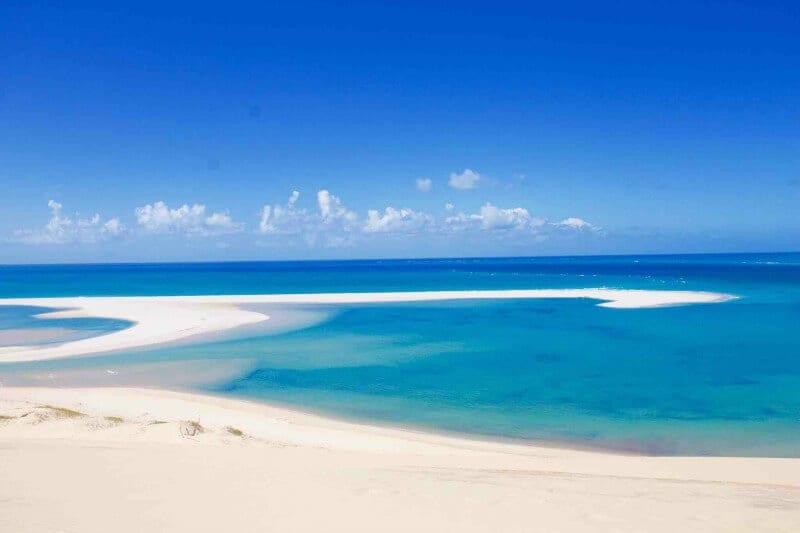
x=255, y=460
x=296, y=427
x=633, y=449
x=169, y=458
x=162, y=319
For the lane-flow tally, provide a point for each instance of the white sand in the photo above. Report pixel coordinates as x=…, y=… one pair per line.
x=297, y=472
x=159, y=319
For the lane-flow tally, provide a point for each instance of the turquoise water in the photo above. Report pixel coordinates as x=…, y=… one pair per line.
x=721, y=379
x=22, y=319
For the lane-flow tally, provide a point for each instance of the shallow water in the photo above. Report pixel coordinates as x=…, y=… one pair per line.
x=720, y=379
x=19, y=326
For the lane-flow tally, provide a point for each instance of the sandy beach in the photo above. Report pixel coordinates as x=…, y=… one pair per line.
x=132, y=460
x=400, y=267
x=138, y=459
x=160, y=319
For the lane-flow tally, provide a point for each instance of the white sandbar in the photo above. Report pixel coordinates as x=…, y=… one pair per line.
x=160, y=319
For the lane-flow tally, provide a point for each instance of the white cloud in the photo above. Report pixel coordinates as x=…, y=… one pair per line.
x=576, y=223
x=331, y=225
x=466, y=180
x=457, y=219
x=424, y=184
x=62, y=229
x=159, y=218
x=283, y=219
x=266, y=225
x=396, y=221
x=221, y=223
x=113, y=227
x=491, y=217
x=331, y=210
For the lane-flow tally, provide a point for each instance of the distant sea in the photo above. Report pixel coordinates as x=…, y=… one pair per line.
x=717, y=379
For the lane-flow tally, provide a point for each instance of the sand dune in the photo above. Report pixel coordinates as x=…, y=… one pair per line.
x=107, y=464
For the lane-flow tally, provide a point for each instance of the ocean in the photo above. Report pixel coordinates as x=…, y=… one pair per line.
x=713, y=379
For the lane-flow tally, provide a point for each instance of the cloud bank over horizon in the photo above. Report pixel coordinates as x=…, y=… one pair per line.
x=329, y=223
x=62, y=229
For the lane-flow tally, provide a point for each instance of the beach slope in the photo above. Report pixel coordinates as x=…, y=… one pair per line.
x=129, y=460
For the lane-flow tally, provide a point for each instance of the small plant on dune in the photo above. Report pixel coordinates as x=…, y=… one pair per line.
x=114, y=419
x=62, y=412
x=156, y=422
x=191, y=428
x=234, y=431
x=6, y=417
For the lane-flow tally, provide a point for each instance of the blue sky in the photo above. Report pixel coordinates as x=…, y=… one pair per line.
x=576, y=128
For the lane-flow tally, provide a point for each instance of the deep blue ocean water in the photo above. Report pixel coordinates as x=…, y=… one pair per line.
x=720, y=379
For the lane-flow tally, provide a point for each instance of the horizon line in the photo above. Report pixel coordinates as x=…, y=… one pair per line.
x=373, y=259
